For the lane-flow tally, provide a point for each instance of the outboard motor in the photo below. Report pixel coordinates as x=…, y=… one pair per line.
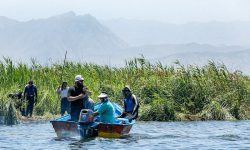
x=86, y=124
x=86, y=116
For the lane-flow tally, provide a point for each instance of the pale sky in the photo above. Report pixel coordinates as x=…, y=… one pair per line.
x=170, y=11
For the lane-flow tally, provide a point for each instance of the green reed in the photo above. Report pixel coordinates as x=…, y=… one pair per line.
x=210, y=91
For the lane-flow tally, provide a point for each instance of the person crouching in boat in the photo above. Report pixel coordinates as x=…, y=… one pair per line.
x=88, y=103
x=131, y=105
x=106, y=110
x=75, y=96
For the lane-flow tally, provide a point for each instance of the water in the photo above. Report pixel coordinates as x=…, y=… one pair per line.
x=144, y=135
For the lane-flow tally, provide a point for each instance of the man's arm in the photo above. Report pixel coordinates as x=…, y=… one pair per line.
x=136, y=104
x=25, y=91
x=101, y=110
x=58, y=90
x=36, y=94
x=95, y=113
x=73, y=98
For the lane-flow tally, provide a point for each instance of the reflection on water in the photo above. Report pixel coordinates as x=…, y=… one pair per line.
x=144, y=135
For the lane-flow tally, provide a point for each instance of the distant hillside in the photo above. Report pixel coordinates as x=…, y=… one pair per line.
x=137, y=32
x=234, y=60
x=234, y=57
x=170, y=49
x=6, y=22
x=82, y=36
x=87, y=40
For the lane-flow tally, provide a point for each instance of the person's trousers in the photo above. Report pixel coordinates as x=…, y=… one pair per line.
x=74, y=113
x=30, y=105
x=65, y=105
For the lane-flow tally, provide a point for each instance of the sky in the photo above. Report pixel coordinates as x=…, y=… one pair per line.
x=170, y=11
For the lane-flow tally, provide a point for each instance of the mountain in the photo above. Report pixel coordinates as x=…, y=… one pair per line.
x=138, y=32
x=234, y=60
x=82, y=36
x=169, y=49
x=234, y=57
x=88, y=40
x=6, y=22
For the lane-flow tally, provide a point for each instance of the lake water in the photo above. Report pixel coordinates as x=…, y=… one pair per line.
x=144, y=135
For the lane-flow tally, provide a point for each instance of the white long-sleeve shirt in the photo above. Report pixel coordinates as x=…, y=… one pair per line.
x=63, y=93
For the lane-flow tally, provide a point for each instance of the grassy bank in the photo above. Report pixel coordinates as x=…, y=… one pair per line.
x=166, y=93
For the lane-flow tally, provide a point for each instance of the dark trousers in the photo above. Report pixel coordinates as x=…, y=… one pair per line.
x=65, y=106
x=74, y=113
x=29, y=109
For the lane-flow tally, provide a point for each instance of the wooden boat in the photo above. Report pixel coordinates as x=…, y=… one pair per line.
x=65, y=128
x=116, y=130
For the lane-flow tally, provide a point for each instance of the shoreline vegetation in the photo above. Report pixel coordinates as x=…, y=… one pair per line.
x=166, y=93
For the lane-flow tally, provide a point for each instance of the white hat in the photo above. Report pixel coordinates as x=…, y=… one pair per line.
x=103, y=95
x=126, y=88
x=79, y=78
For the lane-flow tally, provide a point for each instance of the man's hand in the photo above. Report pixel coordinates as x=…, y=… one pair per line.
x=128, y=114
x=81, y=95
x=35, y=101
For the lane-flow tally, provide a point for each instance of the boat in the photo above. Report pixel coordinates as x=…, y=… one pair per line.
x=119, y=129
x=65, y=128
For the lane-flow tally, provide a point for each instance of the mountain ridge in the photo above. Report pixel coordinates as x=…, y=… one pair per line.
x=140, y=32
x=86, y=39
x=58, y=33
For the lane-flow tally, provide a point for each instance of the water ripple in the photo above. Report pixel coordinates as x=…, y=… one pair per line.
x=144, y=135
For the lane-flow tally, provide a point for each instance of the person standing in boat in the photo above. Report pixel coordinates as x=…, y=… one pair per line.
x=131, y=104
x=63, y=92
x=30, y=95
x=106, y=110
x=75, y=96
x=88, y=103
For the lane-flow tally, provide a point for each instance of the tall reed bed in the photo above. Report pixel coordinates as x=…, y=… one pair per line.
x=165, y=92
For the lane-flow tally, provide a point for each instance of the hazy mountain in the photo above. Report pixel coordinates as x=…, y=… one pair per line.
x=234, y=57
x=234, y=60
x=82, y=36
x=6, y=22
x=170, y=49
x=137, y=32
x=87, y=40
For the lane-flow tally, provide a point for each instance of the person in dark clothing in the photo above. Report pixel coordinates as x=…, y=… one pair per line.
x=75, y=96
x=131, y=104
x=30, y=94
x=88, y=103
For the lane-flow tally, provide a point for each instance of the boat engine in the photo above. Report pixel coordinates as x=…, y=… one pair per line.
x=86, y=116
x=86, y=122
